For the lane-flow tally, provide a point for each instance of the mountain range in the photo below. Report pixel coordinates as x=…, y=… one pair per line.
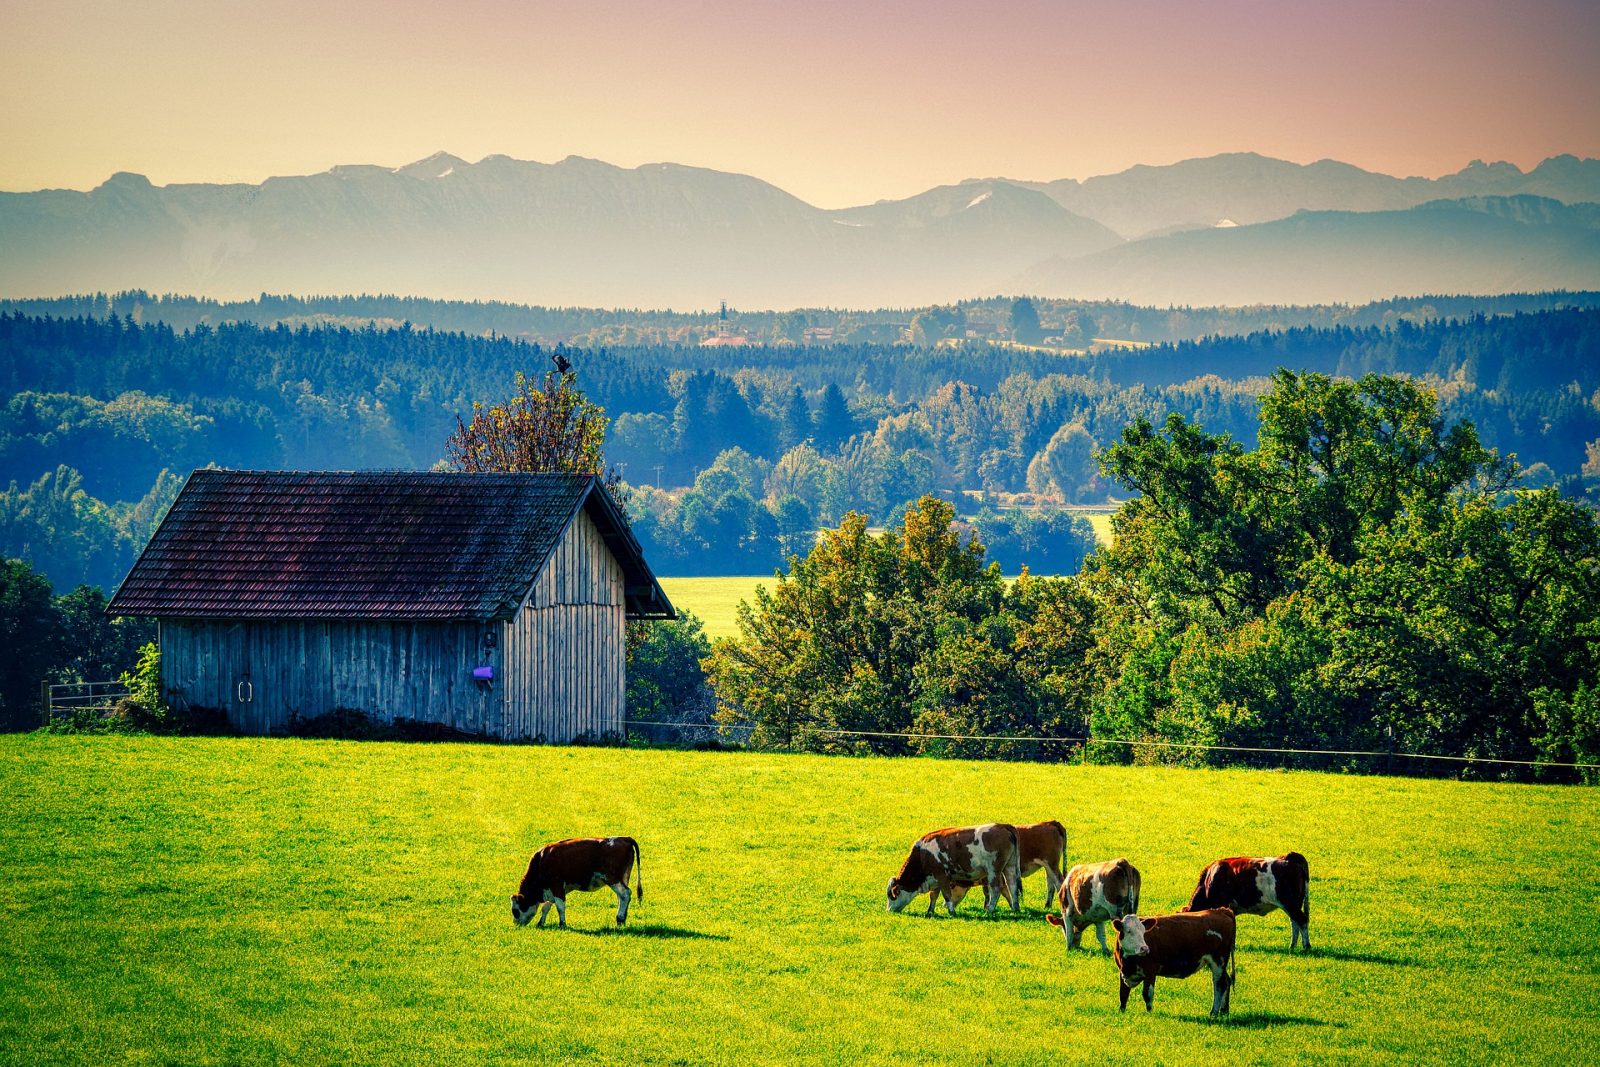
x=1229, y=229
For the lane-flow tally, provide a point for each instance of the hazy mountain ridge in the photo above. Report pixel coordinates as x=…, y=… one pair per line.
x=1478, y=245
x=582, y=231
x=1245, y=188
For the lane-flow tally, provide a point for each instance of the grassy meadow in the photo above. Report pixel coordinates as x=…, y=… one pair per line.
x=250, y=901
x=715, y=600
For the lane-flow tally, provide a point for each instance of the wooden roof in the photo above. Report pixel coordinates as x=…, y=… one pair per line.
x=423, y=545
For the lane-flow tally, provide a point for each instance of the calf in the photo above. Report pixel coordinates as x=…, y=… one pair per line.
x=1043, y=846
x=1256, y=886
x=1176, y=946
x=939, y=862
x=580, y=863
x=1093, y=895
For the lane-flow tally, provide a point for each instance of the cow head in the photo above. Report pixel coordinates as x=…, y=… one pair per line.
x=522, y=909
x=1130, y=933
x=899, y=896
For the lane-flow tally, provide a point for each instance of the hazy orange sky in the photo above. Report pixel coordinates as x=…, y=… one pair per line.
x=839, y=103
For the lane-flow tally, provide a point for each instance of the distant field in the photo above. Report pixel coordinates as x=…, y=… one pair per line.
x=714, y=599
x=266, y=902
x=1101, y=521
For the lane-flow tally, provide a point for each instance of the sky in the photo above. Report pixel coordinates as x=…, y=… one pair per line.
x=838, y=103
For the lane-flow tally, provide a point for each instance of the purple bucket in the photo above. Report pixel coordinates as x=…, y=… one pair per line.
x=483, y=674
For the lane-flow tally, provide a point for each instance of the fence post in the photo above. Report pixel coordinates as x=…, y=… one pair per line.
x=44, y=702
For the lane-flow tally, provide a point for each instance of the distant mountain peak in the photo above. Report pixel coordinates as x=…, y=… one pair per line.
x=439, y=165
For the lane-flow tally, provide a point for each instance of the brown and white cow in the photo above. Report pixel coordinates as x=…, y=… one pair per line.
x=1093, y=895
x=1043, y=847
x=1176, y=946
x=579, y=863
x=939, y=862
x=1258, y=885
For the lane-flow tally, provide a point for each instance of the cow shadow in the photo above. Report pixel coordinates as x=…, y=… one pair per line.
x=1336, y=954
x=1255, y=1020
x=657, y=931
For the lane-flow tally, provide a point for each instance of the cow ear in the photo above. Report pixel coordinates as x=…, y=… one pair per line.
x=1149, y=924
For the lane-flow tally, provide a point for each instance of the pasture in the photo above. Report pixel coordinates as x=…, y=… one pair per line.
x=249, y=901
x=715, y=600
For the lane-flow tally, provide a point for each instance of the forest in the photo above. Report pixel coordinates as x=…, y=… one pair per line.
x=1369, y=579
x=735, y=456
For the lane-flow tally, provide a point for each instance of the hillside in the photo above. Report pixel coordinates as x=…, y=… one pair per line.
x=342, y=902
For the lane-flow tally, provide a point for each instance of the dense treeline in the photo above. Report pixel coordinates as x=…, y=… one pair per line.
x=101, y=414
x=1369, y=578
x=603, y=326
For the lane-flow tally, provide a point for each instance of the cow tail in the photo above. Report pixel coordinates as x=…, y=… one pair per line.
x=638, y=873
x=1233, y=966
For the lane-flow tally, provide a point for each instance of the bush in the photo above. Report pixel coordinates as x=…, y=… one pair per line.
x=353, y=724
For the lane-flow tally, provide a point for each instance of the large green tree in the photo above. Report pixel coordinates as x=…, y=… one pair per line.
x=908, y=631
x=30, y=634
x=1365, y=578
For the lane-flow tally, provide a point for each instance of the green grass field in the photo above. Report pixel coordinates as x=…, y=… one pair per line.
x=715, y=600
x=248, y=901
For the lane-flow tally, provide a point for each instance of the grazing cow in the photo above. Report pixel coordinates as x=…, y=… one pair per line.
x=985, y=855
x=581, y=863
x=1176, y=946
x=1093, y=895
x=1256, y=886
x=1043, y=847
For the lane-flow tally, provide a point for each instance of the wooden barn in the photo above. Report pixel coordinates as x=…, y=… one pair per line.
x=491, y=603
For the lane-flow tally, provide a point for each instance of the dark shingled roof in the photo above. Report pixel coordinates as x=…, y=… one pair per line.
x=369, y=545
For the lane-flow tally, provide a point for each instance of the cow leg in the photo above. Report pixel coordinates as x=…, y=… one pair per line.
x=623, y=897
x=1149, y=994
x=1126, y=989
x=953, y=898
x=991, y=893
x=1219, y=987
x=1073, y=931
x=1100, y=932
x=561, y=912
x=1300, y=928
x=1010, y=888
x=933, y=898
x=544, y=909
x=1052, y=882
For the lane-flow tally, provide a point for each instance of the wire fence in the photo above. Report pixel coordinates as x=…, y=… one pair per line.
x=1392, y=761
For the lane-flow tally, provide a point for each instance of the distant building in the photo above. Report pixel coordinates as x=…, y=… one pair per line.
x=724, y=335
x=491, y=603
x=818, y=335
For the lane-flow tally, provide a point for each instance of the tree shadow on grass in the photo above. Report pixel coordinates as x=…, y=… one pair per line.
x=1254, y=1020
x=1337, y=954
x=651, y=930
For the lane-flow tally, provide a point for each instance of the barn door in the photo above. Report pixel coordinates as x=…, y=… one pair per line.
x=241, y=692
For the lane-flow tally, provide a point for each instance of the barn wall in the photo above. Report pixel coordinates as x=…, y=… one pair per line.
x=386, y=669
x=559, y=665
x=564, y=651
